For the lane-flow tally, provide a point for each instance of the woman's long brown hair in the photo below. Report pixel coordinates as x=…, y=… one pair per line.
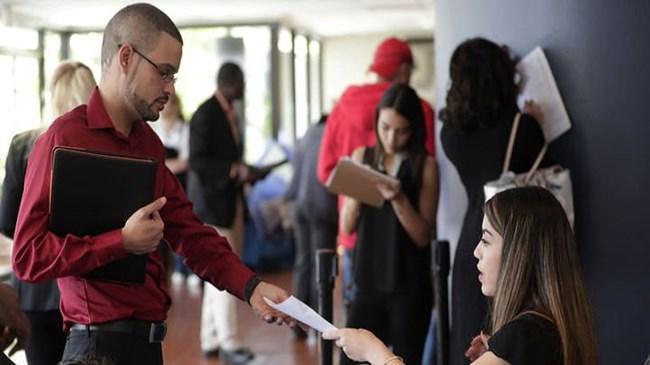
x=406, y=102
x=540, y=270
x=483, y=87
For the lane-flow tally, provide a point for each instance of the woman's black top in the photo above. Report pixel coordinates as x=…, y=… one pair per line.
x=385, y=258
x=528, y=340
x=478, y=157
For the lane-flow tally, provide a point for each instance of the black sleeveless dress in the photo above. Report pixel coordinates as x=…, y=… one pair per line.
x=478, y=158
x=393, y=276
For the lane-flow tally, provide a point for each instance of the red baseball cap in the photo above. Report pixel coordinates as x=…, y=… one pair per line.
x=389, y=55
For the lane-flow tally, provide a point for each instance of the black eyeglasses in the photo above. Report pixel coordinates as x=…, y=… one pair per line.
x=164, y=76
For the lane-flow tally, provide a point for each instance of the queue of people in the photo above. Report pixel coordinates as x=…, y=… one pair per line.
x=517, y=249
x=517, y=290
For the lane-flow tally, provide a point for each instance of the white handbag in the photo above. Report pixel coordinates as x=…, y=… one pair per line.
x=554, y=178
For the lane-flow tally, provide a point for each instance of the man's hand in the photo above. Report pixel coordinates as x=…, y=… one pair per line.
x=143, y=230
x=274, y=294
x=14, y=324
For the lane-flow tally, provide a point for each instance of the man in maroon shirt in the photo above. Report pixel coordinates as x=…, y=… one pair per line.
x=141, y=53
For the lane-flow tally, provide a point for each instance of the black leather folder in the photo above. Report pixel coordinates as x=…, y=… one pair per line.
x=93, y=193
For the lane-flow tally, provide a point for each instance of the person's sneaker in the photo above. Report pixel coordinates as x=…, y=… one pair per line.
x=299, y=334
x=312, y=337
x=212, y=354
x=239, y=356
x=193, y=281
x=177, y=278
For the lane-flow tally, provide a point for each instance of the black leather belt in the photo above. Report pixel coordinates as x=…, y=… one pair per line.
x=154, y=332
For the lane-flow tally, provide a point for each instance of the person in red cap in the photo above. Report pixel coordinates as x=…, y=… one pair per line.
x=393, y=60
x=351, y=124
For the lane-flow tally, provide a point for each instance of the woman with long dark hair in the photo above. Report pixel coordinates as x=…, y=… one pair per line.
x=528, y=265
x=478, y=117
x=392, y=255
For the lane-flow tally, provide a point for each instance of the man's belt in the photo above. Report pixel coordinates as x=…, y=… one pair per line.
x=154, y=332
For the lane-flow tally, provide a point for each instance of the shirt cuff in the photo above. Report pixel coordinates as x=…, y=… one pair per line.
x=251, y=284
x=108, y=247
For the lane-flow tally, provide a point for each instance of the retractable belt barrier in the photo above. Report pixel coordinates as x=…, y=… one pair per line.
x=441, y=272
x=326, y=270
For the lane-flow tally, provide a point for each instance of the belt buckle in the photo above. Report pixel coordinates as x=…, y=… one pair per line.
x=157, y=332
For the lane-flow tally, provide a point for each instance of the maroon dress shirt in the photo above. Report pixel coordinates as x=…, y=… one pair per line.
x=39, y=254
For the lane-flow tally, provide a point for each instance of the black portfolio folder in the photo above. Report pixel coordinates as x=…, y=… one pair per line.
x=93, y=193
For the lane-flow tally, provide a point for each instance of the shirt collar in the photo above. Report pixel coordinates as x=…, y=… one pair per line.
x=225, y=104
x=97, y=116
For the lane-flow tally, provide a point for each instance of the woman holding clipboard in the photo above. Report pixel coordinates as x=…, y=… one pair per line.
x=392, y=257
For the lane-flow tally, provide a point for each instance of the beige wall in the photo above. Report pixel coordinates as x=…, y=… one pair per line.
x=346, y=61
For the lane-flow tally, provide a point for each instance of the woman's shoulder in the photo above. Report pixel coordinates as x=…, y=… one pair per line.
x=529, y=323
x=429, y=167
x=447, y=131
x=429, y=161
x=529, y=127
x=359, y=153
x=528, y=339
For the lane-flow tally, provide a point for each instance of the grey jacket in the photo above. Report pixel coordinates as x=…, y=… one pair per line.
x=310, y=196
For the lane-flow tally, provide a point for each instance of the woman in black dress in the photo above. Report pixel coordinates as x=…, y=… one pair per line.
x=392, y=258
x=481, y=107
x=529, y=268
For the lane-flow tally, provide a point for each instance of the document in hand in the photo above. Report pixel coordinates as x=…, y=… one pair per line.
x=93, y=193
x=300, y=311
x=358, y=181
x=538, y=84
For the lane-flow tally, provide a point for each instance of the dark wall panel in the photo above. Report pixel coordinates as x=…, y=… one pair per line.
x=599, y=51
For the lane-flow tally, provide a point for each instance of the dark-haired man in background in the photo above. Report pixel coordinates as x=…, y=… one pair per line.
x=215, y=185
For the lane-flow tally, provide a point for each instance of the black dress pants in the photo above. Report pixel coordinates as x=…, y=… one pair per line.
x=400, y=321
x=311, y=235
x=47, y=340
x=120, y=348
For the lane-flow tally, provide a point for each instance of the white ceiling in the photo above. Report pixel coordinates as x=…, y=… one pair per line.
x=326, y=18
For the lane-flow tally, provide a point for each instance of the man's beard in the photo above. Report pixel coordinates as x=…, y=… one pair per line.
x=142, y=108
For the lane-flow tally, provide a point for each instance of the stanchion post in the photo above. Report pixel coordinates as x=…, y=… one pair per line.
x=326, y=269
x=441, y=270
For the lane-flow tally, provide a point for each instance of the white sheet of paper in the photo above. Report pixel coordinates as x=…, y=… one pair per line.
x=539, y=85
x=300, y=311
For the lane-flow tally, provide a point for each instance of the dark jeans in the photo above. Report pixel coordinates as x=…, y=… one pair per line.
x=120, y=348
x=47, y=340
x=179, y=266
x=310, y=235
x=398, y=320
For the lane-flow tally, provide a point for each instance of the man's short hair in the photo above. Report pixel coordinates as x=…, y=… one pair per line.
x=139, y=24
x=229, y=74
